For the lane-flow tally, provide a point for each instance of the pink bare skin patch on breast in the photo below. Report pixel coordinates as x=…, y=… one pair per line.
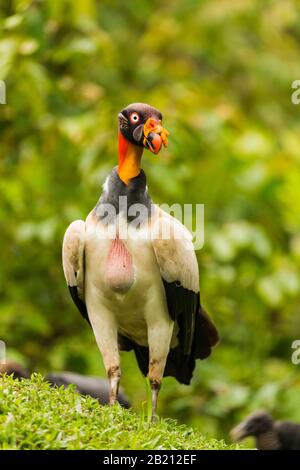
x=119, y=268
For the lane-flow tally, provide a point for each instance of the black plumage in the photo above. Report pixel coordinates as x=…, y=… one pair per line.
x=135, y=192
x=15, y=369
x=94, y=387
x=197, y=334
x=288, y=435
x=78, y=302
x=269, y=434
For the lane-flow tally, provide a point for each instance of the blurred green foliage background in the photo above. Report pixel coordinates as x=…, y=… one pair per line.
x=221, y=73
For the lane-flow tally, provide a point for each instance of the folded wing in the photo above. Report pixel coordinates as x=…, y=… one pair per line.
x=179, y=270
x=73, y=263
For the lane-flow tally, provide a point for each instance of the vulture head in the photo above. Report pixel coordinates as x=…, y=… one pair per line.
x=255, y=425
x=141, y=125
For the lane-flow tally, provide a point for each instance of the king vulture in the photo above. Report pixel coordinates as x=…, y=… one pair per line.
x=138, y=292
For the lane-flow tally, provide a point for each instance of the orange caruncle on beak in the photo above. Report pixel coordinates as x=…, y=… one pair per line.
x=155, y=135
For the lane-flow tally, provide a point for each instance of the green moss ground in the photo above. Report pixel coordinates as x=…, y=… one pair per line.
x=34, y=415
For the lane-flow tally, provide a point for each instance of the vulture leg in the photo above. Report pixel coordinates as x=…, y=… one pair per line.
x=159, y=338
x=106, y=334
x=114, y=380
x=155, y=387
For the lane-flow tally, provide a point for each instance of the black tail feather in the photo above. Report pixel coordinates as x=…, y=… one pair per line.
x=179, y=365
x=205, y=336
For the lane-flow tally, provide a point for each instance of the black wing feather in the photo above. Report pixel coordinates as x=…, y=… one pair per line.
x=78, y=302
x=182, y=305
x=197, y=334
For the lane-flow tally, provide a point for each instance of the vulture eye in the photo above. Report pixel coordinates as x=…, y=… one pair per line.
x=134, y=118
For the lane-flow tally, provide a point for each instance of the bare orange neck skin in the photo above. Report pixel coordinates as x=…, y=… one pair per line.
x=129, y=159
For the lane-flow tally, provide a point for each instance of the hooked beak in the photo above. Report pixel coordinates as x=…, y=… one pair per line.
x=239, y=432
x=155, y=135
